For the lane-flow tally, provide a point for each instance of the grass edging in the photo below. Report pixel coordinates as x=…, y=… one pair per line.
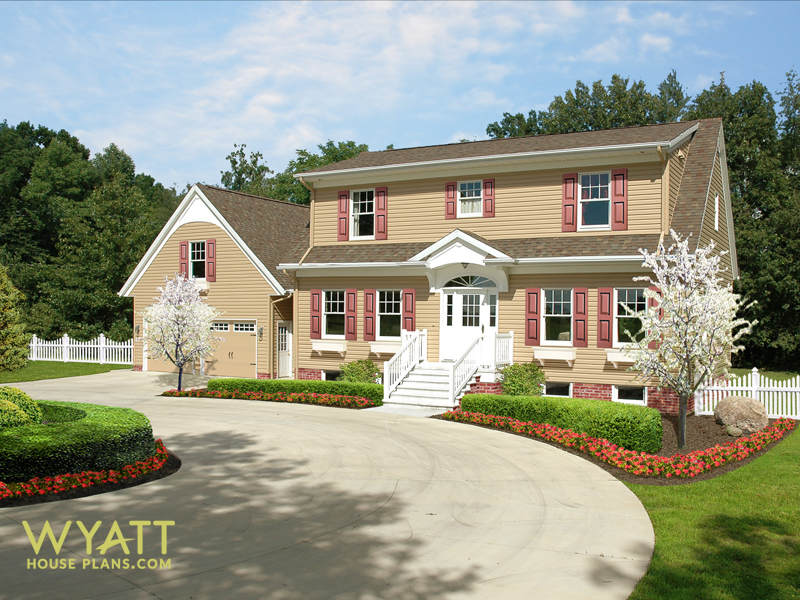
x=335, y=400
x=636, y=463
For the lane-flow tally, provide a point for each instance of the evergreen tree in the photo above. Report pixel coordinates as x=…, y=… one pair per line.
x=13, y=339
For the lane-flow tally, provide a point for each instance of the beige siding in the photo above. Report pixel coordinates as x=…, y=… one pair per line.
x=676, y=168
x=528, y=204
x=720, y=235
x=240, y=291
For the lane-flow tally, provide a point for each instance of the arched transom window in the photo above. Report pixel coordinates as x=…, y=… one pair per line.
x=470, y=281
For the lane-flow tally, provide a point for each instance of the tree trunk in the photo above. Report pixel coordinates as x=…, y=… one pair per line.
x=180, y=374
x=684, y=400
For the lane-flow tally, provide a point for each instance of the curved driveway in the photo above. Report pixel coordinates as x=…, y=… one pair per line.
x=292, y=502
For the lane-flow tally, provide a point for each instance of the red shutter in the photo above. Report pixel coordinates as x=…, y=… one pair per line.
x=569, y=202
x=532, y=305
x=381, y=194
x=316, y=314
x=183, y=264
x=488, y=197
x=579, y=298
x=211, y=260
x=450, y=200
x=619, y=200
x=370, y=299
x=409, y=309
x=605, y=317
x=652, y=303
x=350, y=315
x=344, y=214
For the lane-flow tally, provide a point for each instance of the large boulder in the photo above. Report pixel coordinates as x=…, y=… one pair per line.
x=741, y=412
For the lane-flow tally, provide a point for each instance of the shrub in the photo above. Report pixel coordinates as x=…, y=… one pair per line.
x=523, y=379
x=23, y=401
x=11, y=415
x=54, y=413
x=373, y=391
x=105, y=438
x=295, y=397
x=632, y=427
x=360, y=371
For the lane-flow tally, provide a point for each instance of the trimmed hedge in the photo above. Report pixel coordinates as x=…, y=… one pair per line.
x=105, y=438
x=53, y=413
x=632, y=427
x=373, y=391
x=23, y=401
x=12, y=415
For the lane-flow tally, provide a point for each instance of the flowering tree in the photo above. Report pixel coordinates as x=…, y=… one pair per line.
x=179, y=324
x=689, y=328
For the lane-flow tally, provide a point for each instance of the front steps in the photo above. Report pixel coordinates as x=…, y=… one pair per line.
x=426, y=385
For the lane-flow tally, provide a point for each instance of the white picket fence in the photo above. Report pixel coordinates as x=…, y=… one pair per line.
x=99, y=350
x=780, y=398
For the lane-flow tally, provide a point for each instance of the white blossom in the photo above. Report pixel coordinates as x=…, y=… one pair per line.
x=178, y=325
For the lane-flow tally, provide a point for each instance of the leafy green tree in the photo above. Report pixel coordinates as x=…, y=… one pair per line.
x=247, y=174
x=13, y=338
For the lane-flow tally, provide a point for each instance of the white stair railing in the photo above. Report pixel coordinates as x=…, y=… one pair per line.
x=462, y=370
x=413, y=352
x=504, y=349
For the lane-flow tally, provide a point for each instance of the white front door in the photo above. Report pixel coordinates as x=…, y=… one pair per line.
x=284, y=349
x=465, y=316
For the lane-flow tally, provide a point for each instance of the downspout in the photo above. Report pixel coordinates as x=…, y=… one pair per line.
x=664, y=191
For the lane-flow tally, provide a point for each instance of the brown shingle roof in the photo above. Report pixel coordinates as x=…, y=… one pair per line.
x=276, y=231
x=517, y=145
x=550, y=247
x=691, y=202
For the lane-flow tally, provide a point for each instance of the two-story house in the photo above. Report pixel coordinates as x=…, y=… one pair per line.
x=447, y=262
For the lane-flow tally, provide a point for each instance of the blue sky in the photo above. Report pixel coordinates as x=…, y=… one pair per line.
x=177, y=84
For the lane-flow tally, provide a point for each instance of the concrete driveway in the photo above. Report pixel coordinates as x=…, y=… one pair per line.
x=301, y=502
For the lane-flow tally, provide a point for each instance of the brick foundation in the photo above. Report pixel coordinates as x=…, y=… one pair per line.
x=486, y=388
x=595, y=391
x=263, y=375
x=666, y=401
x=312, y=374
x=137, y=367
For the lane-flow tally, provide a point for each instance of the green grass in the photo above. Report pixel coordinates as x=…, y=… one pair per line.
x=776, y=375
x=46, y=369
x=733, y=537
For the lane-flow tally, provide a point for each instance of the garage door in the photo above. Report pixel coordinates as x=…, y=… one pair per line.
x=236, y=356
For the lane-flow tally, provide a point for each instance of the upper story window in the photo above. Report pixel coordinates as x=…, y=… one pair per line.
x=362, y=211
x=470, y=199
x=558, y=316
x=628, y=328
x=389, y=314
x=594, y=196
x=197, y=260
x=333, y=315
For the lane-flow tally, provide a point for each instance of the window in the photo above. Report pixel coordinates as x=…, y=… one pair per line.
x=219, y=327
x=557, y=389
x=470, y=198
x=244, y=327
x=492, y=310
x=449, y=310
x=389, y=314
x=595, y=205
x=629, y=328
x=471, y=310
x=197, y=258
x=333, y=320
x=363, y=214
x=558, y=316
x=629, y=394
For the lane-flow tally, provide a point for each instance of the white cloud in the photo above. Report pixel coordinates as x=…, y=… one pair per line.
x=649, y=42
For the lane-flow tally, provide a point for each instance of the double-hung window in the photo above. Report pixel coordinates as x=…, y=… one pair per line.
x=558, y=316
x=389, y=314
x=197, y=260
x=594, y=196
x=362, y=214
x=333, y=316
x=470, y=199
x=628, y=328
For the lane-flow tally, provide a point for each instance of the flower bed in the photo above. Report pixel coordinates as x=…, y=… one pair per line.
x=636, y=463
x=296, y=397
x=61, y=483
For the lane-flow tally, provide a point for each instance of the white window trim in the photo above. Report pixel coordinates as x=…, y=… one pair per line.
x=216, y=326
x=244, y=327
x=578, y=207
x=544, y=390
x=351, y=216
x=191, y=262
x=544, y=341
x=615, y=396
x=325, y=334
x=459, y=214
x=378, y=336
x=617, y=343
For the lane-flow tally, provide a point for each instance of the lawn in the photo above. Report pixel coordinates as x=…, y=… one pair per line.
x=46, y=369
x=734, y=537
x=776, y=375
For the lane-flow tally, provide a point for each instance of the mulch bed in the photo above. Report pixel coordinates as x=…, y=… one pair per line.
x=171, y=466
x=702, y=433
